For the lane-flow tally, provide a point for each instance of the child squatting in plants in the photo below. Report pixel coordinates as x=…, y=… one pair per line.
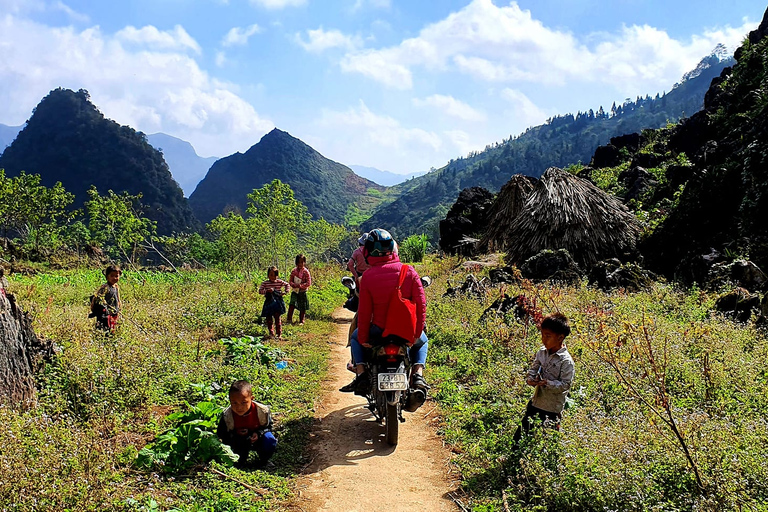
x=551, y=375
x=300, y=281
x=274, y=305
x=246, y=425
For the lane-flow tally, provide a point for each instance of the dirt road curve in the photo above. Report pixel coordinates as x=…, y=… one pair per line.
x=353, y=468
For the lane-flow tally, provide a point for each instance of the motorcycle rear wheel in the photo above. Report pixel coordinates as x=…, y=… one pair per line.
x=392, y=424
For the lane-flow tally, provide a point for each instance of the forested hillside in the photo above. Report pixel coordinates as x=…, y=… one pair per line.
x=704, y=180
x=568, y=139
x=68, y=140
x=328, y=189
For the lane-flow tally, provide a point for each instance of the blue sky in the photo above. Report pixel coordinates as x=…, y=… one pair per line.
x=400, y=85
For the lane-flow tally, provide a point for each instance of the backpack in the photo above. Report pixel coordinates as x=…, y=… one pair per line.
x=401, y=313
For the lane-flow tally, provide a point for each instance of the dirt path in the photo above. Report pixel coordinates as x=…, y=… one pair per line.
x=354, y=469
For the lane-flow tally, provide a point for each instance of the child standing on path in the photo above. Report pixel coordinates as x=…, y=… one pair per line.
x=246, y=425
x=274, y=306
x=106, y=303
x=300, y=281
x=551, y=375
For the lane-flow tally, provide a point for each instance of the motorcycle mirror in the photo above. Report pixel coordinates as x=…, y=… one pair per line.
x=426, y=281
x=348, y=282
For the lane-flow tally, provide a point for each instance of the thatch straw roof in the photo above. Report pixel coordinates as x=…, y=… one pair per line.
x=508, y=203
x=568, y=212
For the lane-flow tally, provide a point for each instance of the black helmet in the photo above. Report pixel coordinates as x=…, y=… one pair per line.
x=379, y=243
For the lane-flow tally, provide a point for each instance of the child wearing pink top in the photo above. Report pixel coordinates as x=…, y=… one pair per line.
x=300, y=281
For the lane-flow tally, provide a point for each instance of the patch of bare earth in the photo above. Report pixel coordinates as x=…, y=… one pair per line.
x=352, y=466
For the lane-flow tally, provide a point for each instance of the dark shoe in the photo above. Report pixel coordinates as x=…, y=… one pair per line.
x=362, y=382
x=418, y=382
x=416, y=399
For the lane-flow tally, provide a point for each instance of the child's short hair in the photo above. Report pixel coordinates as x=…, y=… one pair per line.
x=112, y=268
x=242, y=387
x=557, y=323
x=300, y=258
x=273, y=269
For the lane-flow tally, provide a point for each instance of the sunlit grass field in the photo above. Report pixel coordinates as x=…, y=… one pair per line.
x=668, y=410
x=103, y=398
x=647, y=364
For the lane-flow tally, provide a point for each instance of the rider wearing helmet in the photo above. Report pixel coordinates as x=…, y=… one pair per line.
x=380, y=251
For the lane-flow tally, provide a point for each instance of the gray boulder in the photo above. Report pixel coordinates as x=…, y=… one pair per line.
x=611, y=274
x=556, y=265
x=741, y=273
x=738, y=304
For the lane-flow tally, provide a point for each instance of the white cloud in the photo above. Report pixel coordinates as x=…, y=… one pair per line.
x=238, y=36
x=379, y=66
x=29, y=6
x=154, y=39
x=460, y=140
x=278, y=4
x=221, y=59
x=157, y=87
x=506, y=44
x=523, y=108
x=361, y=136
x=450, y=106
x=319, y=40
x=376, y=4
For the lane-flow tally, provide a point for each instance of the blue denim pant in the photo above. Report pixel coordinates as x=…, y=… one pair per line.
x=264, y=446
x=417, y=353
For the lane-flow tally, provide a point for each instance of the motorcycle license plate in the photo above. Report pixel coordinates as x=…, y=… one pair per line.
x=392, y=382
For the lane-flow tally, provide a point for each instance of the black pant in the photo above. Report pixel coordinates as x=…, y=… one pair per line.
x=531, y=413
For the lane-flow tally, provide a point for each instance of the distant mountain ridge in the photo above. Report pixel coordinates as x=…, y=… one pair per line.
x=385, y=178
x=416, y=206
x=7, y=134
x=187, y=167
x=67, y=139
x=328, y=189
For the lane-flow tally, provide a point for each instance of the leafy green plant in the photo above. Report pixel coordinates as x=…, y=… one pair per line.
x=191, y=442
x=413, y=248
x=239, y=349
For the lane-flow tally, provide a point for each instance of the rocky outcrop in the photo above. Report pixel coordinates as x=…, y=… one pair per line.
x=612, y=274
x=21, y=352
x=742, y=273
x=738, y=304
x=552, y=265
x=466, y=219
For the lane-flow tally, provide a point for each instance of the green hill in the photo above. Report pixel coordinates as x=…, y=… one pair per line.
x=328, y=189
x=67, y=139
x=417, y=205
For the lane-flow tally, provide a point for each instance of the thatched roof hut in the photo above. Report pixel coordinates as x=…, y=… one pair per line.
x=508, y=203
x=568, y=212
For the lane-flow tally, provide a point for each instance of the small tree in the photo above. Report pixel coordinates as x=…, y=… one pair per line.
x=34, y=212
x=280, y=220
x=116, y=221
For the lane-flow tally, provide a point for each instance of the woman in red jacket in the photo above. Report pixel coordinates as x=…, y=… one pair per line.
x=376, y=288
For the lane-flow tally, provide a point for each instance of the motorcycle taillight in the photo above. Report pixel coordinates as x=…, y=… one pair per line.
x=391, y=349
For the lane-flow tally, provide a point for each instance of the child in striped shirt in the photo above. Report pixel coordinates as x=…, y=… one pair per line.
x=274, y=306
x=300, y=281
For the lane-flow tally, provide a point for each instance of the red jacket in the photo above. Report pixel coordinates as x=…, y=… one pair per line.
x=376, y=287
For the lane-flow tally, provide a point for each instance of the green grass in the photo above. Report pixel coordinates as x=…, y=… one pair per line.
x=103, y=398
x=613, y=452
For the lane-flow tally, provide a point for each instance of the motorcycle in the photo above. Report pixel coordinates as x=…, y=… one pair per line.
x=390, y=368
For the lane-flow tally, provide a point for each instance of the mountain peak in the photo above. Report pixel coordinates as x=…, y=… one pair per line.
x=719, y=54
